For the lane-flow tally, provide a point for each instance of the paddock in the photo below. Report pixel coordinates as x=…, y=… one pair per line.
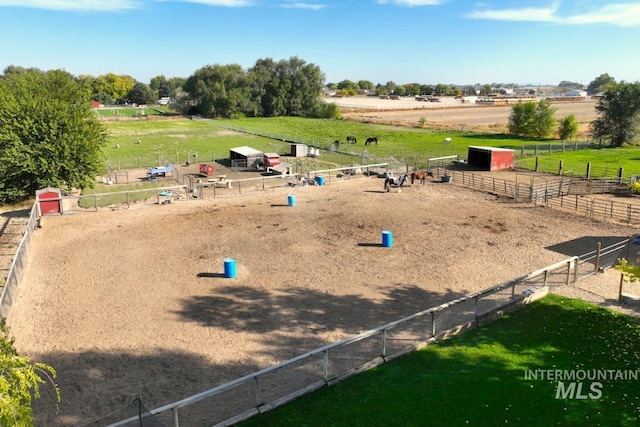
x=134, y=302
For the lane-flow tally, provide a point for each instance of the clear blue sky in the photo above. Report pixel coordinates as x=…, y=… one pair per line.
x=405, y=41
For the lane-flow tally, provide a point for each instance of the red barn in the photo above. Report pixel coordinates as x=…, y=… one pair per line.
x=490, y=158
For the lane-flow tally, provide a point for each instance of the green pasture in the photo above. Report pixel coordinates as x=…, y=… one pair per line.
x=478, y=378
x=130, y=112
x=178, y=140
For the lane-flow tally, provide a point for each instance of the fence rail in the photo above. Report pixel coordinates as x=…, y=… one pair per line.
x=266, y=389
x=595, y=208
x=18, y=265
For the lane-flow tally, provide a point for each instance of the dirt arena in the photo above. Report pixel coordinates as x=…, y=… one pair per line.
x=134, y=302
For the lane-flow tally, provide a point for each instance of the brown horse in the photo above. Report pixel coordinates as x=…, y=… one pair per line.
x=422, y=176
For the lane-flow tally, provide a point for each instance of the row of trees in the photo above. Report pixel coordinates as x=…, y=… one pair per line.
x=285, y=88
x=349, y=87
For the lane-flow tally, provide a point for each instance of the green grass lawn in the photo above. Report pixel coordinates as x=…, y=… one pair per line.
x=478, y=378
x=177, y=140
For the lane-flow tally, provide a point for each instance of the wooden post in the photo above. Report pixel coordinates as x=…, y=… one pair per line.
x=537, y=168
x=620, y=174
x=620, y=289
x=597, y=266
x=568, y=273
x=560, y=167
x=588, y=170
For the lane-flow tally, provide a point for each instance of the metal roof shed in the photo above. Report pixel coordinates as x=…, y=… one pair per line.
x=241, y=154
x=490, y=158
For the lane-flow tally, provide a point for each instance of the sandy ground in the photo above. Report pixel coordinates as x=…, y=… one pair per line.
x=451, y=113
x=129, y=302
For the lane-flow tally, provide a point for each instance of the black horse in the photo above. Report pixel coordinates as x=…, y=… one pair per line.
x=395, y=182
x=352, y=140
x=371, y=140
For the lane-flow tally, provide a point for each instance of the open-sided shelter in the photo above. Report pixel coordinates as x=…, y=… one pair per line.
x=241, y=156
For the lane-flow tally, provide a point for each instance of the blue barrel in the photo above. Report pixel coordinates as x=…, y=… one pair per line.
x=229, y=268
x=387, y=239
x=320, y=180
x=291, y=199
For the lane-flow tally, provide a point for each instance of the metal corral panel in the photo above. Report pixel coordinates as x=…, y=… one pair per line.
x=490, y=158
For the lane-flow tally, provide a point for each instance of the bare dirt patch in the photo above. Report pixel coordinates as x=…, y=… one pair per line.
x=454, y=116
x=130, y=302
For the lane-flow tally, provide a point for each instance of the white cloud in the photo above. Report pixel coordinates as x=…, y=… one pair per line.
x=304, y=6
x=525, y=14
x=412, y=2
x=79, y=5
x=622, y=15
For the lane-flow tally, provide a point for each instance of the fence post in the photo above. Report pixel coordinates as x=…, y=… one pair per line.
x=258, y=397
x=588, y=176
x=568, y=273
x=597, y=266
x=384, y=343
x=475, y=309
x=575, y=270
x=537, y=168
x=433, y=323
x=560, y=167
x=620, y=174
x=325, y=366
x=546, y=275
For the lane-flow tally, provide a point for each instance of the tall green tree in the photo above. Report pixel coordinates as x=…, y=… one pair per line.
x=543, y=120
x=20, y=381
x=141, y=94
x=219, y=90
x=288, y=87
x=601, y=83
x=568, y=128
x=48, y=134
x=521, y=118
x=532, y=119
x=618, y=114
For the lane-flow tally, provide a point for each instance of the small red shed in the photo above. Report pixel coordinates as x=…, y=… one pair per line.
x=490, y=158
x=49, y=202
x=270, y=160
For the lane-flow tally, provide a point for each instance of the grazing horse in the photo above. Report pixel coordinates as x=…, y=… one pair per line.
x=422, y=176
x=352, y=140
x=371, y=140
x=394, y=182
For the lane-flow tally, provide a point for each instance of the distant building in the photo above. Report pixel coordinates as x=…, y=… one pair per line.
x=165, y=100
x=575, y=92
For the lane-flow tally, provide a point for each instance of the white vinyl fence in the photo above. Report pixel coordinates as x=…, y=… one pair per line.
x=264, y=390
